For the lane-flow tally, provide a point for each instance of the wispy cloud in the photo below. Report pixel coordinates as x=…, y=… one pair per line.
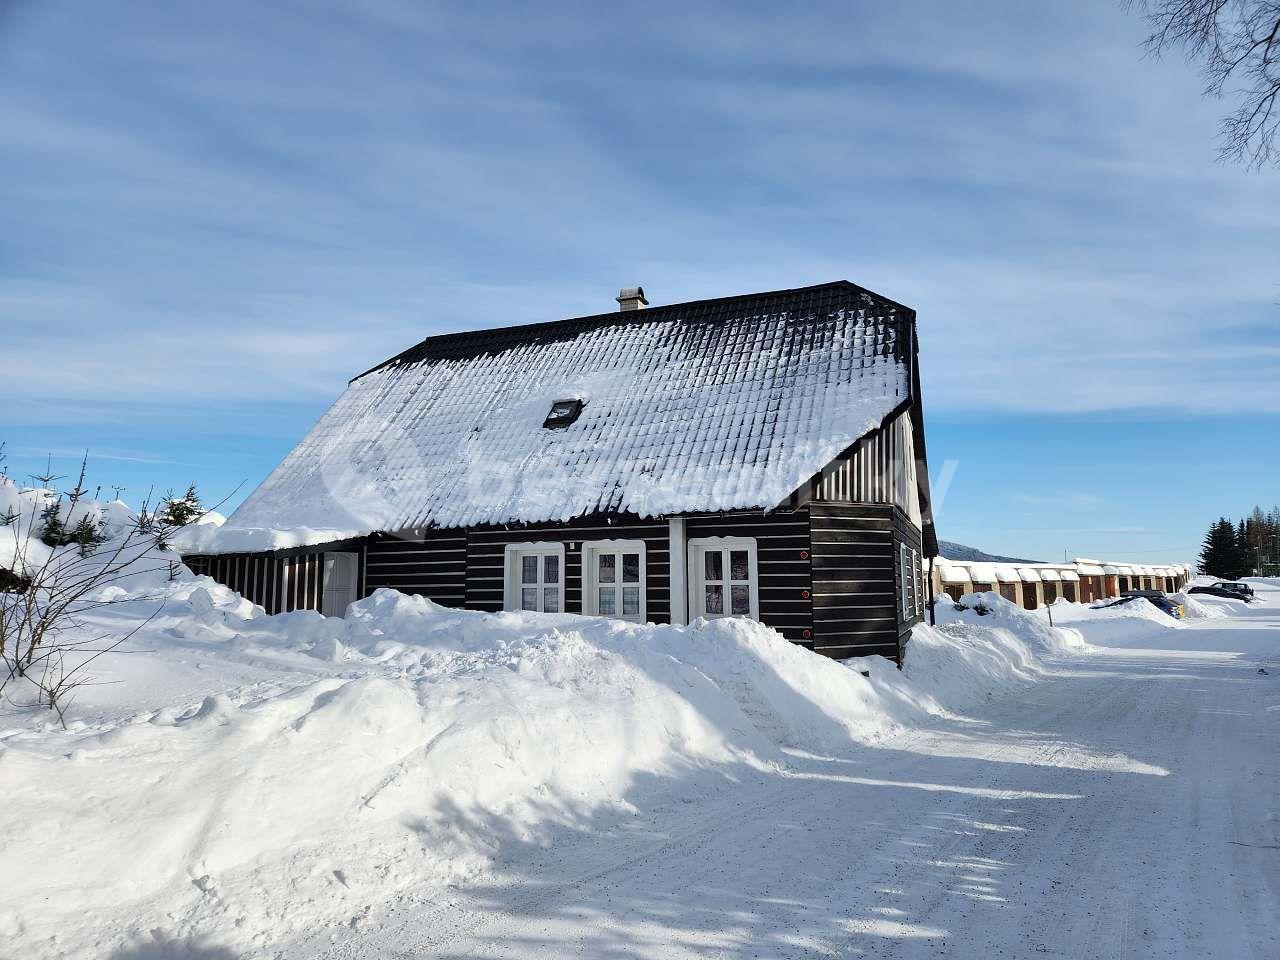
x=202, y=201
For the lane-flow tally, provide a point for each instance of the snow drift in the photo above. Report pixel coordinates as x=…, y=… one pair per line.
x=255, y=775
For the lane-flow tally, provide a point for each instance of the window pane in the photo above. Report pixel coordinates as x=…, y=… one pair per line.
x=608, y=601
x=741, y=599
x=715, y=599
x=529, y=598
x=739, y=568
x=551, y=599
x=630, y=601
x=713, y=565
x=631, y=568
x=529, y=569
x=608, y=565
x=551, y=568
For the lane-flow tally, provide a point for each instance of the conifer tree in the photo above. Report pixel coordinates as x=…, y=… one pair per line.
x=53, y=530
x=180, y=511
x=88, y=533
x=1246, y=554
x=1219, y=556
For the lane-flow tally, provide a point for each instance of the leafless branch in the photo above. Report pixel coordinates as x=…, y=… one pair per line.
x=1236, y=44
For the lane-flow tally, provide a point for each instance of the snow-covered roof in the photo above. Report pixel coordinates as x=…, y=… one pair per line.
x=1028, y=574
x=980, y=572
x=710, y=405
x=1110, y=571
x=953, y=573
x=1048, y=573
x=1069, y=575
x=1088, y=569
x=1007, y=574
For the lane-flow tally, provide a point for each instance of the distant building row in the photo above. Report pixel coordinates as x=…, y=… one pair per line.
x=1034, y=584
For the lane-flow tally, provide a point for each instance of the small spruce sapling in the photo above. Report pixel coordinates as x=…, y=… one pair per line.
x=88, y=534
x=177, y=512
x=53, y=530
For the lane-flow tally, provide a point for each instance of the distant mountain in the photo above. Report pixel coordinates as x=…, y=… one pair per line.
x=958, y=551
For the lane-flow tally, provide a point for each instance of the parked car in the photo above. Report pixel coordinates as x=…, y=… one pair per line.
x=1155, y=598
x=1241, y=588
x=1217, y=591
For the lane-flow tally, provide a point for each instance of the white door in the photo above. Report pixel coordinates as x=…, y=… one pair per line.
x=341, y=571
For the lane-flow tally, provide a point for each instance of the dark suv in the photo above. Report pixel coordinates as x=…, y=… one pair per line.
x=1241, y=588
x=1231, y=591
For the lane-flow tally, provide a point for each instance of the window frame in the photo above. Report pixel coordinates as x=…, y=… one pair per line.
x=917, y=583
x=511, y=583
x=591, y=550
x=697, y=547
x=906, y=602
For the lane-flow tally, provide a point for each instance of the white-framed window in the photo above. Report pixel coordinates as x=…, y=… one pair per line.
x=908, y=599
x=723, y=581
x=534, y=578
x=613, y=579
x=917, y=579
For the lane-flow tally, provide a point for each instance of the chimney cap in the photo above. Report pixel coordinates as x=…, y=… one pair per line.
x=631, y=298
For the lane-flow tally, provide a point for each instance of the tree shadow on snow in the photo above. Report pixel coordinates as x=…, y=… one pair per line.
x=893, y=850
x=161, y=947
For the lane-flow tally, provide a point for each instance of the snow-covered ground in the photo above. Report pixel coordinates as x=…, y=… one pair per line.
x=415, y=781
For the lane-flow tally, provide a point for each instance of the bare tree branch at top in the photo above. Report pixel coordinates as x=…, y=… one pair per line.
x=1236, y=44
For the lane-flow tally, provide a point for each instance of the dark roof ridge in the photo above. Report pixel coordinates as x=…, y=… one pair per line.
x=656, y=314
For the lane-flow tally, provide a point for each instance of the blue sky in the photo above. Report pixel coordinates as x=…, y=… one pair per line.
x=212, y=215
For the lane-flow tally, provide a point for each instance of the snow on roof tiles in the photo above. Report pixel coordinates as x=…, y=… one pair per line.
x=710, y=405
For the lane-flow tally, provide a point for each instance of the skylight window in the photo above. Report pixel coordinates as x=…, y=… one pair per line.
x=563, y=413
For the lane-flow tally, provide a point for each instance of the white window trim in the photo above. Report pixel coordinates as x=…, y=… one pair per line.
x=511, y=575
x=917, y=583
x=697, y=576
x=590, y=588
x=904, y=577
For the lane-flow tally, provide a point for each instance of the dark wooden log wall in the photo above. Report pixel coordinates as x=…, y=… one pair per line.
x=486, y=552
x=783, y=566
x=828, y=573
x=432, y=563
x=855, y=579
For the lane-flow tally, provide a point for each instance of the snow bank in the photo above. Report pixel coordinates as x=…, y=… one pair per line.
x=970, y=657
x=257, y=775
x=137, y=562
x=1194, y=609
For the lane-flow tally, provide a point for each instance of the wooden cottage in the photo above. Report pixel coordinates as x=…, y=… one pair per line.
x=759, y=456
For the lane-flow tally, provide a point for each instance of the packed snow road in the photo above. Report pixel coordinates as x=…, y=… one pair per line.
x=1126, y=806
